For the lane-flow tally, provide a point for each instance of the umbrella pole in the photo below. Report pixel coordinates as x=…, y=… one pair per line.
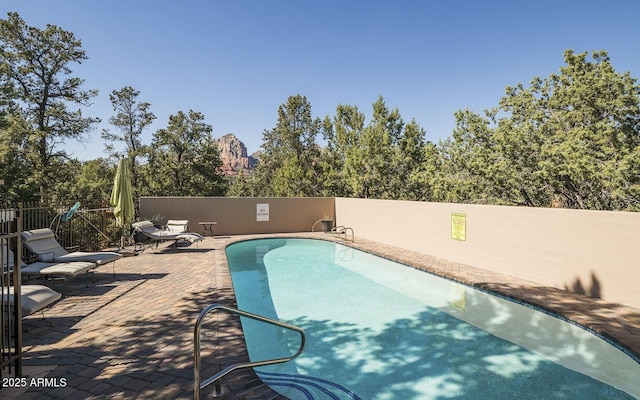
x=94, y=227
x=123, y=238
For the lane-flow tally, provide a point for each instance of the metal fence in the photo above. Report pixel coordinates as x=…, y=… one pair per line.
x=10, y=289
x=89, y=228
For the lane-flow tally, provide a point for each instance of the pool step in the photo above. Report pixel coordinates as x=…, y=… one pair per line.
x=307, y=387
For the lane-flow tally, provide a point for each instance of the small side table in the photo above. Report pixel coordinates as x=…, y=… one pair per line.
x=207, y=227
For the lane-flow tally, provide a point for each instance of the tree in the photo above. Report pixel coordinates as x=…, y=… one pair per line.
x=469, y=168
x=343, y=158
x=582, y=126
x=240, y=187
x=94, y=182
x=13, y=168
x=38, y=65
x=131, y=119
x=331, y=162
x=369, y=153
x=569, y=140
x=413, y=164
x=184, y=159
x=290, y=160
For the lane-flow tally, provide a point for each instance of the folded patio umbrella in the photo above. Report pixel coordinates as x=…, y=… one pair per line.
x=122, y=196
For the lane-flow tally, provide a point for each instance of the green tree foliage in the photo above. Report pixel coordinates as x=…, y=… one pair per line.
x=88, y=182
x=385, y=159
x=240, y=186
x=37, y=64
x=344, y=142
x=468, y=166
x=332, y=162
x=290, y=161
x=94, y=182
x=184, y=159
x=569, y=140
x=14, y=168
x=372, y=175
x=131, y=119
x=414, y=164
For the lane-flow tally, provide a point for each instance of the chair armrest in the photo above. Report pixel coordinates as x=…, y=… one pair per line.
x=40, y=257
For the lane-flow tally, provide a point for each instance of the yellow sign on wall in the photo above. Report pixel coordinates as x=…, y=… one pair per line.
x=458, y=226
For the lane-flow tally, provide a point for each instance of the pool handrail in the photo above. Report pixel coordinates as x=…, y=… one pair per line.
x=342, y=230
x=198, y=385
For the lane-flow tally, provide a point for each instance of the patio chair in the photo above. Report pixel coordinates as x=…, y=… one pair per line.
x=43, y=244
x=66, y=270
x=33, y=298
x=177, y=225
x=48, y=270
x=159, y=235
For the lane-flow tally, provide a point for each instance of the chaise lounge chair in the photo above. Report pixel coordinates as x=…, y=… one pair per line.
x=177, y=225
x=49, y=270
x=33, y=298
x=175, y=231
x=66, y=270
x=43, y=244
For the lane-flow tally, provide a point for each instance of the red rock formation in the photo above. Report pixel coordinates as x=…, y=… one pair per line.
x=234, y=157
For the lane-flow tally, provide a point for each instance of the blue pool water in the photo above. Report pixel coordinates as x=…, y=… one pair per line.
x=381, y=330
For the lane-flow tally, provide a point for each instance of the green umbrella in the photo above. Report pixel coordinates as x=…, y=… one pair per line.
x=122, y=196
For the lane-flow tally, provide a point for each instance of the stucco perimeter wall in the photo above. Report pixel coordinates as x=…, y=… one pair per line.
x=593, y=252
x=238, y=215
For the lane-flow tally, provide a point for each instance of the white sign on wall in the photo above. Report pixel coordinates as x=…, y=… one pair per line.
x=262, y=212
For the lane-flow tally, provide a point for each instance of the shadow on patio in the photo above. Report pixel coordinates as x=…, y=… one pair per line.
x=131, y=335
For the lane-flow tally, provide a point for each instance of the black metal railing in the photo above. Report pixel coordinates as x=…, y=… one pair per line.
x=91, y=227
x=10, y=289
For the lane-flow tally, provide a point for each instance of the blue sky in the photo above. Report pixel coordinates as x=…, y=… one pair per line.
x=237, y=61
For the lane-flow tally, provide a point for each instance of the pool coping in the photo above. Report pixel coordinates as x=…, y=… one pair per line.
x=616, y=323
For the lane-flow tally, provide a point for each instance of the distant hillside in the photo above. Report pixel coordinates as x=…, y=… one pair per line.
x=234, y=157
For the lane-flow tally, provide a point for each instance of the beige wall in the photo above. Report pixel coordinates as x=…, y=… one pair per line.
x=235, y=216
x=598, y=250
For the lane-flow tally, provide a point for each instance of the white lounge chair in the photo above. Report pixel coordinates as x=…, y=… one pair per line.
x=66, y=270
x=33, y=298
x=43, y=244
x=176, y=232
x=177, y=225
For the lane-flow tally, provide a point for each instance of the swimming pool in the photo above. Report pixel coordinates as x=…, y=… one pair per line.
x=381, y=330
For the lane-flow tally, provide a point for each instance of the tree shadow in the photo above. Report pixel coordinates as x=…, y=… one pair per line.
x=150, y=356
x=593, y=313
x=439, y=356
x=594, y=290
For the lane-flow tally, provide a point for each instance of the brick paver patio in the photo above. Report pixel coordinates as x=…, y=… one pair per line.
x=131, y=335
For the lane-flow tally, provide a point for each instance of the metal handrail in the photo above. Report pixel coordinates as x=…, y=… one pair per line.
x=218, y=392
x=342, y=230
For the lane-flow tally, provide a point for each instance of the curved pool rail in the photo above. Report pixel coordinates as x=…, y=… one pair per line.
x=198, y=384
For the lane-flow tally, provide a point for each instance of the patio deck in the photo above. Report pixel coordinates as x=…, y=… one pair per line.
x=131, y=335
